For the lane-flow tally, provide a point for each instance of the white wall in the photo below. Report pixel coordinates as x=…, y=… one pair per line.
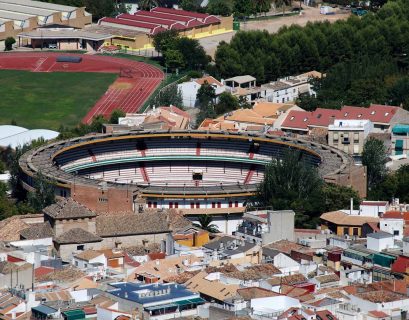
x=371, y=211
x=392, y=225
x=379, y=244
x=286, y=264
x=273, y=304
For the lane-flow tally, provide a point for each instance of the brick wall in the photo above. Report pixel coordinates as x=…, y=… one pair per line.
x=111, y=200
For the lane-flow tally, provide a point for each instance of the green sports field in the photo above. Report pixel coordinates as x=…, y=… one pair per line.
x=49, y=100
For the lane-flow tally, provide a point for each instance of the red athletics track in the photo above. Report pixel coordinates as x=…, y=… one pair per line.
x=129, y=92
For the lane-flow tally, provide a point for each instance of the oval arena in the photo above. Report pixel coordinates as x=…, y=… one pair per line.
x=196, y=172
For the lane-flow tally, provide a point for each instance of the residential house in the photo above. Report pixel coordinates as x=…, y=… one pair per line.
x=92, y=262
x=382, y=117
x=230, y=248
x=262, y=116
x=76, y=228
x=380, y=241
x=244, y=87
x=12, y=307
x=276, y=283
x=400, y=140
x=325, y=281
x=354, y=274
x=191, y=236
x=209, y=286
x=283, y=262
x=267, y=226
x=190, y=89
x=289, y=88
x=341, y=223
x=157, y=118
x=249, y=276
x=307, y=314
x=393, y=223
x=16, y=274
x=156, y=301
x=349, y=135
x=273, y=306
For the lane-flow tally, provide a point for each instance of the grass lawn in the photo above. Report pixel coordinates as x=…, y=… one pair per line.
x=49, y=100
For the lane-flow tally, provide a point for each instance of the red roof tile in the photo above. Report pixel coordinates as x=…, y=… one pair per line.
x=396, y=215
x=42, y=271
x=297, y=119
x=168, y=24
x=400, y=264
x=156, y=255
x=323, y=117
x=205, y=18
x=378, y=314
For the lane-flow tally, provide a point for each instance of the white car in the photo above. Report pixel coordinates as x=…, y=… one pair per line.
x=52, y=46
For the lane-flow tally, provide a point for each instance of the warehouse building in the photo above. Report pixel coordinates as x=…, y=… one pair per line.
x=18, y=16
x=135, y=31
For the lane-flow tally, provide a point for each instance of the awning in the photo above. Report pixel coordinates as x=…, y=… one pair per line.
x=400, y=128
x=74, y=314
x=162, y=306
x=43, y=309
x=190, y=301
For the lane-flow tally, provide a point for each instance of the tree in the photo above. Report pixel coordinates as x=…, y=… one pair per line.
x=243, y=8
x=169, y=95
x=262, y=6
x=165, y=40
x=290, y=183
x=374, y=158
x=100, y=8
x=335, y=197
x=205, y=223
x=8, y=43
x=206, y=95
x=173, y=59
x=189, y=5
x=44, y=193
x=149, y=4
x=227, y=102
x=193, y=54
x=115, y=115
x=220, y=7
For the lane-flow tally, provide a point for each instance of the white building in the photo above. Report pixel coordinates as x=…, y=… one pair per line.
x=190, y=89
x=373, y=208
x=349, y=135
x=245, y=86
x=289, y=88
x=273, y=306
x=379, y=241
x=393, y=226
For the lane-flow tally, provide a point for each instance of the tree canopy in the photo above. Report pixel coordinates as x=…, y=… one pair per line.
x=374, y=158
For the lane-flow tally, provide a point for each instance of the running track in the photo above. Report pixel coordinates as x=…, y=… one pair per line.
x=127, y=93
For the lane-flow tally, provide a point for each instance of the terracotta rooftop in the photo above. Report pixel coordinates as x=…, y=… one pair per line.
x=378, y=314
x=182, y=278
x=288, y=280
x=37, y=231
x=256, y=272
x=256, y=292
x=143, y=250
x=209, y=80
x=132, y=224
x=42, y=271
x=381, y=296
x=9, y=267
x=88, y=255
x=68, y=208
x=78, y=236
x=66, y=275
x=327, y=278
x=341, y=218
x=285, y=246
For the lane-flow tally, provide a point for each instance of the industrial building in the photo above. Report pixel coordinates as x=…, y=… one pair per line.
x=135, y=31
x=18, y=16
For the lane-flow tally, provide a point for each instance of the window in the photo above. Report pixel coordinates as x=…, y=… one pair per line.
x=236, y=204
x=356, y=137
x=85, y=265
x=346, y=230
x=76, y=263
x=149, y=204
x=192, y=205
x=176, y=205
x=355, y=231
x=230, y=204
x=170, y=205
x=219, y=204
x=197, y=205
x=155, y=204
x=395, y=232
x=213, y=204
x=80, y=247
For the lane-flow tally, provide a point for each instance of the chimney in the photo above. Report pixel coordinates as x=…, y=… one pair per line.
x=352, y=206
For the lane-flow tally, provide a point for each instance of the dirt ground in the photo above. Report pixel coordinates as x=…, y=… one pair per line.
x=273, y=25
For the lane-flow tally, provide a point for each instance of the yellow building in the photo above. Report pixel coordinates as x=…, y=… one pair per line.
x=191, y=237
x=341, y=223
